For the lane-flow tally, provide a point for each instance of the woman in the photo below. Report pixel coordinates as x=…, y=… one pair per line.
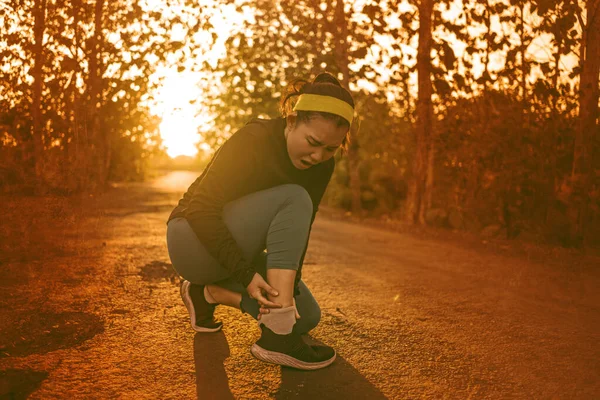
x=239, y=234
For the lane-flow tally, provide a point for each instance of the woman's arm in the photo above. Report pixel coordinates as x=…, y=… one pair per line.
x=230, y=175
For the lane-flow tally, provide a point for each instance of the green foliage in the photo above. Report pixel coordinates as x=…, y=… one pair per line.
x=384, y=143
x=498, y=165
x=285, y=41
x=93, y=92
x=505, y=119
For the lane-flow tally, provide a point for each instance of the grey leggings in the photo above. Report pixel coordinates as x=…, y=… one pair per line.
x=276, y=220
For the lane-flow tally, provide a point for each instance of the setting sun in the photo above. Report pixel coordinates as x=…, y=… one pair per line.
x=176, y=105
x=179, y=99
x=179, y=134
x=183, y=118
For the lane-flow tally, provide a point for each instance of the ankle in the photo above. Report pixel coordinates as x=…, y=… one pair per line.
x=284, y=302
x=222, y=296
x=281, y=321
x=209, y=291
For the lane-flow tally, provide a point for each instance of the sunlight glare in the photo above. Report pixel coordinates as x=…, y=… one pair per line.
x=180, y=123
x=178, y=101
x=179, y=134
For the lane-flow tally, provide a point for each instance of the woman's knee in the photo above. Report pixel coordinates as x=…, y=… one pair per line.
x=189, y=258
x=298, y=198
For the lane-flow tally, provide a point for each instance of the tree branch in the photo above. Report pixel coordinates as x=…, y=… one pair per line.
x=578, y=14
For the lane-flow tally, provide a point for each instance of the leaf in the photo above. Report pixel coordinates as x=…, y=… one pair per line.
x=485, y=77
x=449, y=56
x=459, y=79
x=546, y=68
x=511, y=56
x=360, y=53
x=442, y=87
x=544, y=6
x=576, y=72
x=540, y=87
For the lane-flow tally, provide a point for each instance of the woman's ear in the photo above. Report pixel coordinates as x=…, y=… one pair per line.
x=290, y=120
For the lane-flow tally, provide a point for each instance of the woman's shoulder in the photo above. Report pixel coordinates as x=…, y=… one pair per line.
x=264, y=126
x=259, y=131
x=256, y=136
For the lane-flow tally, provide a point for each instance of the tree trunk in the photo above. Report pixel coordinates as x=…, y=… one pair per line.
x=582, y=172
x=71, y=145
x=422, y=181
x=523, y=49
x=37, y=155
x=96, y=141
x=488, y=38
x=341, y=49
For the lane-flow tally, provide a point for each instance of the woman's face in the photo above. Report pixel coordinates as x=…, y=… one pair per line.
x=312, y=142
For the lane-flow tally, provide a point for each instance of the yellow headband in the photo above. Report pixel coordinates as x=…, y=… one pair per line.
x=317, y=102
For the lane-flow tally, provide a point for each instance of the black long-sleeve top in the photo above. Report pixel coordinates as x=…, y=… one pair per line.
x=254, y=158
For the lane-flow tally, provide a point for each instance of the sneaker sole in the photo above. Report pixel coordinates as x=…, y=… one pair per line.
x=288, y=361
x=187, y=300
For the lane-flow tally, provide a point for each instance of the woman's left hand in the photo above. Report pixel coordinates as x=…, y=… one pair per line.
x=264, y=310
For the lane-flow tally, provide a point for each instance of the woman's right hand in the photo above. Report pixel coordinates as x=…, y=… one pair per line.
x=258, y=288
x=264, y=310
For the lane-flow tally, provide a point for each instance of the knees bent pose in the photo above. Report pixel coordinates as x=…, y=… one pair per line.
x=239, y=234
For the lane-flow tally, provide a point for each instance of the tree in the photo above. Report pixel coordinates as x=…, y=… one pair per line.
x=100, y=55
x=582, y=173
x=97, y=144
x=422, y=180
x=38, y=79
x=341, y=59
x=293, y=46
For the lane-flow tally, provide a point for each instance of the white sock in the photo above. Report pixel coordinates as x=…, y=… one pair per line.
x=279, y=320
x=208, y=296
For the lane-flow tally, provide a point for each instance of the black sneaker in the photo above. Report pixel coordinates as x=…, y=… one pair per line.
x=201, y=311
x=291, y=351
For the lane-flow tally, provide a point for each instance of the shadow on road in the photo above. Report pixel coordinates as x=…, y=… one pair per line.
x=338, y=381
x=210, y=351
x=20, y=383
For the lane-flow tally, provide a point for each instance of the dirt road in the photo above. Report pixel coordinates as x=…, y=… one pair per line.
x=89, y=308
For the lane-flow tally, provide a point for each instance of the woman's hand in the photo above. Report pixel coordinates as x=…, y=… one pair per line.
x=258, y=288
x=265, y=310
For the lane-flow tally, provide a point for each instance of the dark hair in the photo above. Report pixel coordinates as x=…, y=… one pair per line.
x=324, y=84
